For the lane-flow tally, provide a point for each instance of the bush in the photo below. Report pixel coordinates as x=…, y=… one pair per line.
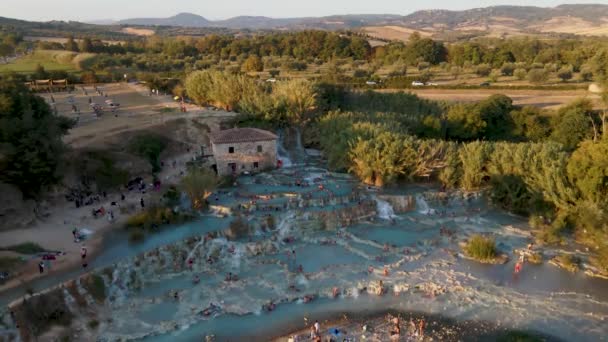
x=40, y=313
x=483, y=70
x=28, y=248
x=507, y=69
x=481, y=248
x=239, y=227
x=9, y=263
x=153, y=216
x=360, y=73
x=535, y=258
x=520, y=74
x=586, y=74
x=600, y=260
x=136, y=235
x=96, y=287
x=565, y=74
x=568, y=261
x=538, y=76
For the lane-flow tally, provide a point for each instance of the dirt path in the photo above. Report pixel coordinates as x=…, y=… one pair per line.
x=550, y=99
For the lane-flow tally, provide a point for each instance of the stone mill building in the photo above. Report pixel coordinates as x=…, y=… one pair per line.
x=239, y=150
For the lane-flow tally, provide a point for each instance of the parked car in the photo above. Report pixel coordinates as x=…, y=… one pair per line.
x=417, y=84
x=485, y=84
x=371, y=83
x=431, y=84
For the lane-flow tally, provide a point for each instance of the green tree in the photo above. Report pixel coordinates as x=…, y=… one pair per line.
x=198, y=184
x=483, y=70
x=530, y=124
x=520, y=74
x=299, y=97
x=456, y=71
x=465, y=122
x=31, y=146
x=538, y=76
x=474, y=157
x=565, y=73
x=71, y=45
x=588, y=170
x=6, y=50
x=86, y=45
x=149, y=146
x=599, y=66
x=507, y=69
x=253, y=63
x=573, y=124
x=495, y=111
x=40, y=73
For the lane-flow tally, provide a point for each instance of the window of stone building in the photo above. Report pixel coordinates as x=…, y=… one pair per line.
x=259, y=148
x=256, y=165
x=230, y=149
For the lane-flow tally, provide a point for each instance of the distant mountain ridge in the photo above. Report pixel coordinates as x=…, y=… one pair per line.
x=524, y=16
x=261, y=22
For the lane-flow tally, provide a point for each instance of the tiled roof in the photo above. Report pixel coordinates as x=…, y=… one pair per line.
x=238, y=135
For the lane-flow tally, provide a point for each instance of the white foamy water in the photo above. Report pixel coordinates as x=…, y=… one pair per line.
x=385, y=209
x=422, y=206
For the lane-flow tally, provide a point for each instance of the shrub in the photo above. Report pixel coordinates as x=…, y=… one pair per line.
x=494, y=75
x=360, y=73
x=600, y=259
x=565, y=74
x=42, y=312
x=136, y=235
x=586, y=74
x=520, y=74
x=481, y=248
x=274, y=72
x=568, y=261
x=239, y=227
x=152, y=216
x=507, y=69
x=93, y=324
x=25, y=248
x=96, y=287
x=270, y=222
x=483, y=70
x=538, y=76
x=9, y=263
x=535, y=258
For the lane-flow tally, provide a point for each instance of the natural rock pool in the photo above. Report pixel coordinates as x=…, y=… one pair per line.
x=317, y=244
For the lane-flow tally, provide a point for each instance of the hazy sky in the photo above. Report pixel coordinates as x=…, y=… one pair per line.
x=83, y=10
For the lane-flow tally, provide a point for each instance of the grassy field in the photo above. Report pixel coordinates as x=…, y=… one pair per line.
x=51, y=60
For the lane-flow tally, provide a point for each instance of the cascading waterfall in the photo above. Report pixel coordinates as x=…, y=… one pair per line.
x=385, y=209
x=282, y=152
x=423, y=206
x=284, y=226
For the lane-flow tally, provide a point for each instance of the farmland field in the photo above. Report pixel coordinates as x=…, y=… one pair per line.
x=51, y=60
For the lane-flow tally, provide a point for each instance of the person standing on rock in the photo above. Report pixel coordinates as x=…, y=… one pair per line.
x=41, y=267
x=141, y=202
